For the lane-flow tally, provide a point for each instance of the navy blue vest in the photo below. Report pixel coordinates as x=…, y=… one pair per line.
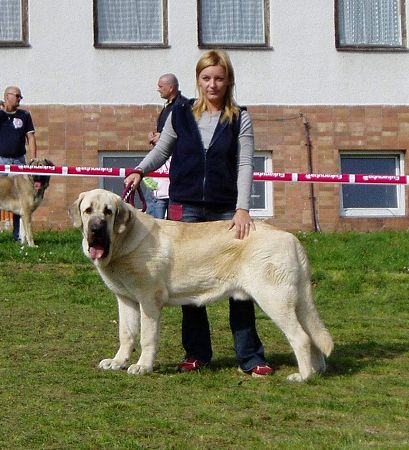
x=200, y=177
x=164, y=114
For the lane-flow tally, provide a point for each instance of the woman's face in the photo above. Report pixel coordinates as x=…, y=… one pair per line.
x=214, y=83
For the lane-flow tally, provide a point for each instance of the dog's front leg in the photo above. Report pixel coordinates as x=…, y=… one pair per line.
x=129, y=328
x=26, y=232
x=150, y=323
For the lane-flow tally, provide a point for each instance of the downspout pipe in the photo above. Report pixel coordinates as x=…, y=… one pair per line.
x=313, y=199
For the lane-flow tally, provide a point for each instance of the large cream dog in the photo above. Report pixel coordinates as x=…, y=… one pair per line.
x=149, y=263
x=22, y=194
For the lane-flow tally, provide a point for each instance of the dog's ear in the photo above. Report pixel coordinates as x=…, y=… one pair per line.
x=48, y=162
x=75, y=213
x=123, y=214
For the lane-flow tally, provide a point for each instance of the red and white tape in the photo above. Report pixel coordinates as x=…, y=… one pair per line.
x=257, y=176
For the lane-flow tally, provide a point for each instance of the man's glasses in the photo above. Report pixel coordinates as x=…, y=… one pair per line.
x=16, y=95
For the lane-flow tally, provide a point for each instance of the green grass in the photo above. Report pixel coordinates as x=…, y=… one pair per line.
x=58, y=320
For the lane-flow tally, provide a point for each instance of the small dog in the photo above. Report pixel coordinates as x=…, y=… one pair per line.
x=150, y=263
x=22, y=194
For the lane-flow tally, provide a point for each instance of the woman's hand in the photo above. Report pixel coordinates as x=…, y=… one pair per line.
x=243, y=223
x=134, y=179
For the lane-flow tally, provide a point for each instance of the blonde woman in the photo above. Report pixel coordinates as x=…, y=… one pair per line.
x=211, y=142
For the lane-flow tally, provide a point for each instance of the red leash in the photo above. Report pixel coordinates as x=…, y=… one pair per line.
x=128, y=194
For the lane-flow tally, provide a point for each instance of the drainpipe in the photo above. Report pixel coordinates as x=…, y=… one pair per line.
x=313, y=199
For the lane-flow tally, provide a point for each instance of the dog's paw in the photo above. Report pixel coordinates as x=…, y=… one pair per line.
x=295, y=378
x=111, y=364
x=136, y=369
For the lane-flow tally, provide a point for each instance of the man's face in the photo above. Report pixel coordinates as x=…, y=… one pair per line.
x=12, y=98
x=165, y=89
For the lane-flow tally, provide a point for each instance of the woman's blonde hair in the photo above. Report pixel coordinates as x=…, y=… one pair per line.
x=216, y=58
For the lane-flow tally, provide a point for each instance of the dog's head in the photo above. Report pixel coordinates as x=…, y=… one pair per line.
x=102, y=216
x=40, y=182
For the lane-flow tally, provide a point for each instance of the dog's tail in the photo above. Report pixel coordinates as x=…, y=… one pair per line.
x=307, y=312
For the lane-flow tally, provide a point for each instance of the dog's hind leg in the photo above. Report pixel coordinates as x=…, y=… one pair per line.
x=317, y=359
x=279, y=305
x=307, y=313
x=150, y=323
x=129, y=328
x=308, y=316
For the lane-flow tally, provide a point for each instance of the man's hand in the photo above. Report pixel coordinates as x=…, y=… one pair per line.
x=153, y=137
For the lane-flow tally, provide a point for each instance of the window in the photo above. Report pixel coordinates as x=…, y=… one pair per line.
x=261, y=196
x=123, y=159
x=233, y=23
x=13, y=23
x=130, y=23
x=261, y=203
x=361, y=200
x=370, y=24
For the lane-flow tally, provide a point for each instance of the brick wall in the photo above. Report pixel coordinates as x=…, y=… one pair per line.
x=73, y=135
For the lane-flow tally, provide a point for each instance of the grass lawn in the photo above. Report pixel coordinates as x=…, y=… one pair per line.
x=58, y=321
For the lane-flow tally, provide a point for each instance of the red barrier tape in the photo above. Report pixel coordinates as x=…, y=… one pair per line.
x=257, y=176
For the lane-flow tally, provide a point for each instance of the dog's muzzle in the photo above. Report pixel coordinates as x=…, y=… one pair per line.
x=98, y=239
x=40, y=181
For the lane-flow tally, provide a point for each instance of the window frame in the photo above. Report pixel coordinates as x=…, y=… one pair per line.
x=119, y=45
x=399, y=211
x=24, y=29
x=256, y=213
x=268, y=187
x=118, y=180
x=372, y=48
x=223, y=45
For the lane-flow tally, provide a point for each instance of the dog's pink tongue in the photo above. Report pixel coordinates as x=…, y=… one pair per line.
x=96, y=252
x=37, y=185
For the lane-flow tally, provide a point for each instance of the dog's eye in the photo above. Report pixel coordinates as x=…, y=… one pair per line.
x=88, y=210
x=107, y=211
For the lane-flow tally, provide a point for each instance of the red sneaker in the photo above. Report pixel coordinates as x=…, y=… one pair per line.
x=190, y=365
x=259, y=371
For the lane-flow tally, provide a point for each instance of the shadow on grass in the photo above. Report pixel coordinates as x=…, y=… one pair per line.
x=353, y=357
x=347, y=359
x=219, y=364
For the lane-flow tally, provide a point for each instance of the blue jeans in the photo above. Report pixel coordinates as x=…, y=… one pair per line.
x=195, y=325
x=148, y=194
x=16, y=217
x=158, y=207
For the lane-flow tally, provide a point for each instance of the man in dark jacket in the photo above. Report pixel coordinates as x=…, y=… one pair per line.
x=168, y=88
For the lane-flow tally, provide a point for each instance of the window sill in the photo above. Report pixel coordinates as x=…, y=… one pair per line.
x=373, y=49
x=235, y=47
x=366, y=214
x=129, y=46
x=5, y=44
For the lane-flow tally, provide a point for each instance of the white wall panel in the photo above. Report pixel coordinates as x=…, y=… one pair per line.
x=303, y=67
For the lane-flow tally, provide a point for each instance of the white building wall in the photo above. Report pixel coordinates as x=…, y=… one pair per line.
x=302, y=68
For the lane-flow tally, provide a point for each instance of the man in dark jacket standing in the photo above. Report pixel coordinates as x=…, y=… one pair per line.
x=168, y=88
